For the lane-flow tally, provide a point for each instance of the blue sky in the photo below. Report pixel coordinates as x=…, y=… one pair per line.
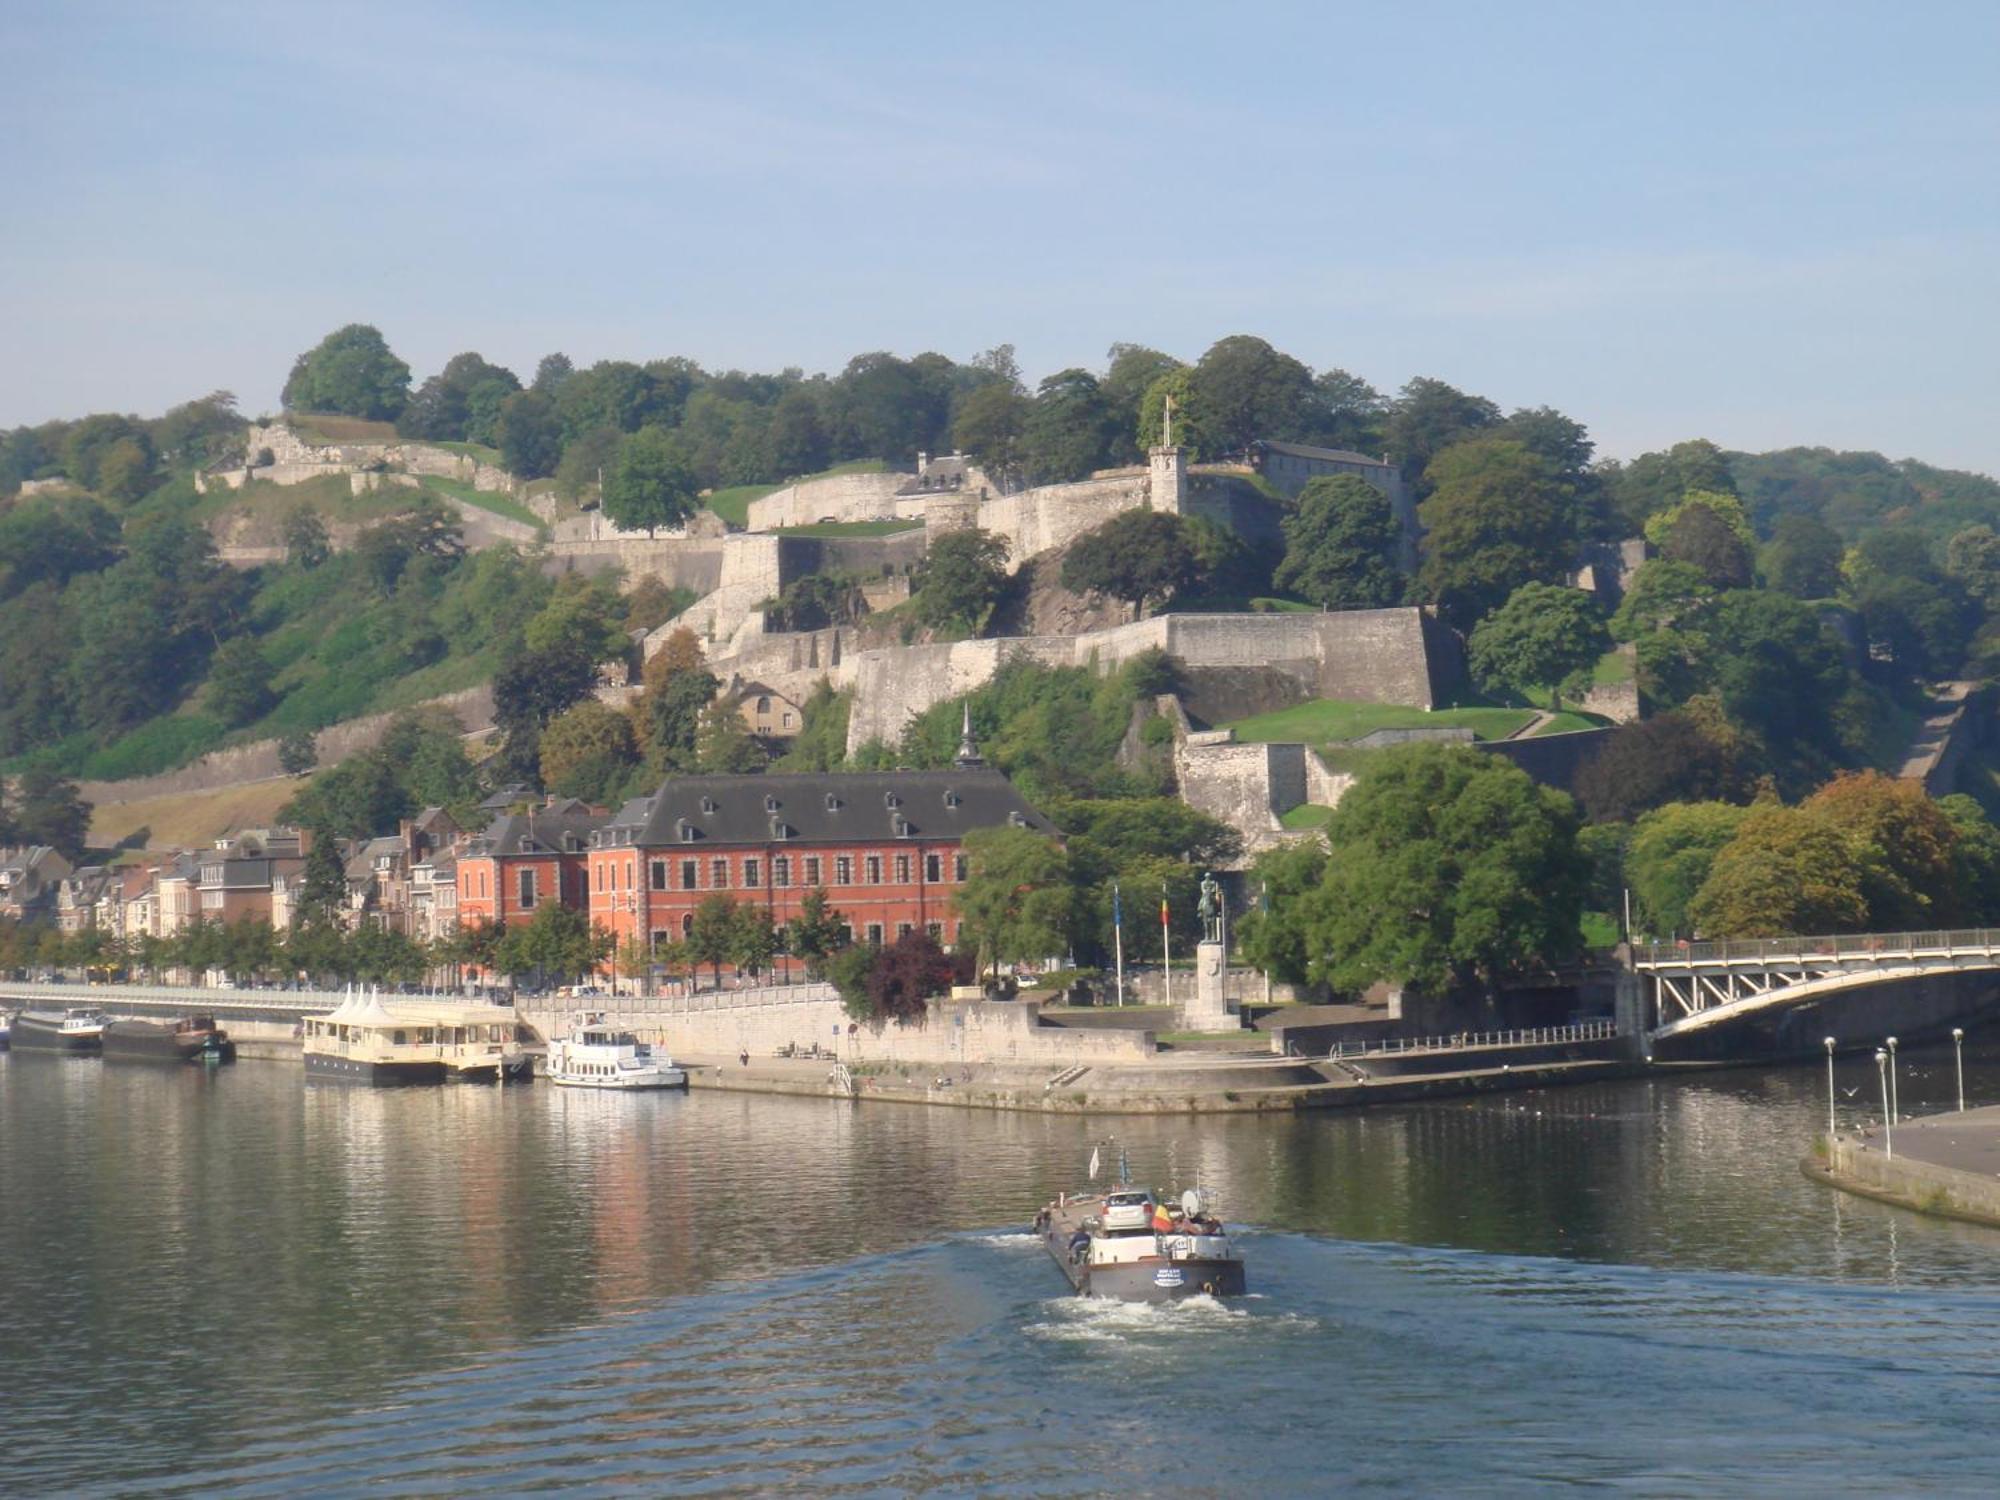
x=1765, y=224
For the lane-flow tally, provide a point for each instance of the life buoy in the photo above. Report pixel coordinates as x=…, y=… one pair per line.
x=1208, y=1288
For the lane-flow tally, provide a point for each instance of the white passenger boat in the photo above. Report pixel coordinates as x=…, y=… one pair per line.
x=414, y=1041
x=77, y=1031
x=597, y=1055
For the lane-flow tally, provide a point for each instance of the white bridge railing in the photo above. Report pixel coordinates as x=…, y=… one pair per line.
x=1852, y=948
x=1530, y=1036
x=1688, y=980
x=198, y=999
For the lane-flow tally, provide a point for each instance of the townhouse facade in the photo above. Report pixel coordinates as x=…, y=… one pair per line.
x=887, y=848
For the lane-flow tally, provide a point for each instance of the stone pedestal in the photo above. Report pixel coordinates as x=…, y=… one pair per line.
x=1209, y=1010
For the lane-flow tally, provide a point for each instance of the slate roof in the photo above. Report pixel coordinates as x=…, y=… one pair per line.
x=535, y=833
x=1331, y=455
x=821, y=809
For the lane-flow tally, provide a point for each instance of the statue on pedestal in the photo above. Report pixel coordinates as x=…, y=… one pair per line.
x=1210, y=910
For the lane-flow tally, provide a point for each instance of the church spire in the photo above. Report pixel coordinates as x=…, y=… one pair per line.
x=968, y=751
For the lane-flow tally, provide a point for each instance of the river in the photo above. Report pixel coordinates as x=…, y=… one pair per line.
x=234, y=1282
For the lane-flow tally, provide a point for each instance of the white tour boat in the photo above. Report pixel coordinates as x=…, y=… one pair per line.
x=413, y=1041
x=597, y=1055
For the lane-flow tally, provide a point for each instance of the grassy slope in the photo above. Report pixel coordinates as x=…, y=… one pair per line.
x=499, y=505
x=850, y=528
x=326, y=427
x=192, y=819
x=733, y=504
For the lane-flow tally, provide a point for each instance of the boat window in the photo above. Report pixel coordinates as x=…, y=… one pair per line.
x=402, y=1038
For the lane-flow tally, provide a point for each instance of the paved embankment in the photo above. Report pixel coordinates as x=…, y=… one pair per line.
x=1182, y=1088
x=1945, y=1164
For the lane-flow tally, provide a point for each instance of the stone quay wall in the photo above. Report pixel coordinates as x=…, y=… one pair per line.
x=1858, y=1166
x=761, y=1021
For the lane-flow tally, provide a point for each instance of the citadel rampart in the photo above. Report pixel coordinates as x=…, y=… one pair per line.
x=1376, y=656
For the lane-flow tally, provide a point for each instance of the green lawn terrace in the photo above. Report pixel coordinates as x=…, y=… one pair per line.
x=1334, y=724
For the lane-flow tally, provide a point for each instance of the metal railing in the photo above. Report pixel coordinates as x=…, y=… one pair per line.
x=1530, y=1036
x=1865, y=947
x=198, y=998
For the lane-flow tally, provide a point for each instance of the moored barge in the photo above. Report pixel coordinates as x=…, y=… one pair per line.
x=189, y=1039
x=365, y=1041
x=78, y=1031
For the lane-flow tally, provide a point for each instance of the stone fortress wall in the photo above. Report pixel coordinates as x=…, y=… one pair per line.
x=1376, y=656
x=295, y=460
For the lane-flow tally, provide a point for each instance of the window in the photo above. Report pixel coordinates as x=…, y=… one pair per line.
x=934, y=868
x=936, y=931
x=527, y=878
x=659, y=874
x=903, y=929
x=846, y=935
x=688, y=875
x=902, y=869
x=812, y=869
x=750, y=876
x=873, y=865
x=687, y=923
x=958, y=867
x=843, y=869
x=718, y=874
x=875, y=933
x=763, y=705
x=781, y=871
x=660, y=936
x=613, y=872
x=788, y=721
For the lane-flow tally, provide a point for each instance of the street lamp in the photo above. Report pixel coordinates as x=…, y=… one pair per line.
x=1888, y=1129
x=1831, y=1129
x=1958, y=1047
x=1895, y=1095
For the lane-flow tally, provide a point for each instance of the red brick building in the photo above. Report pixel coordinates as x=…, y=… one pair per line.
x=886, y=847
x=523, y=861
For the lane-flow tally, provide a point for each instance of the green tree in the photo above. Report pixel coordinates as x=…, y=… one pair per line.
x=351, y=372
x=672, y=717
x=306, y=541
x=1016, y=902
x=239, y=683
x=961, y=577
x=1903, y=844
x=1272, y=933
x=1139, y=556
x=1542, y=636
x=528, y=433
x=1448, y=867
x=653, y=483
x=1654, y=481
x=1674, y=757
x=1705, y=541
x=796, y=436
x=711, y=939
x=587, y=751
x=323, y=895
x=1499, y=516
x=298, y=752
x=814, y=935
x=1242, y=390
x=1350, y=412
x=1786, y=871
x=1172, y=386
x=89, y=448
x=1803, y=558
x=1340, y=546
x=1132, y=371
x=558, y=941
x=1070, y=430
x=753, y=941
x=988, y=430
x=1669, y=857
x=723, y=744
x=1429, y=416
x=49, y=810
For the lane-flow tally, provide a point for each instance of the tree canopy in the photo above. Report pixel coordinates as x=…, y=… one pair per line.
x=351, y=372
x=1341, y=540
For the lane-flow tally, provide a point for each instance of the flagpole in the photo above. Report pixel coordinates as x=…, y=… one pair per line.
x=1118, y=938
x=1166, y=951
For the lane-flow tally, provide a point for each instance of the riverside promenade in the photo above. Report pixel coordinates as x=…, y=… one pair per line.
x=1946, y=1164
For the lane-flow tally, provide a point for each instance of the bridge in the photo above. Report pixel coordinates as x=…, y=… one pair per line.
x=1696, y=987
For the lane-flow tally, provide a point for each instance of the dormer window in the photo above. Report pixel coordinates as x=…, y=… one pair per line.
x=708, y=805
x=832, y=803
x=770, y=803
x=1015, y=820
x=685, y=830
x=890, y=799
x=951, y=798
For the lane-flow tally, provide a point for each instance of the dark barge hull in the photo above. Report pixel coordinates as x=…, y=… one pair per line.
x=346, y=1070
x=150, y=1041
x=31, y=1034
x=1154, y=1279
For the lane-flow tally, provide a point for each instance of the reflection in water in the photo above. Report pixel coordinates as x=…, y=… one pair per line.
x=230, y=1278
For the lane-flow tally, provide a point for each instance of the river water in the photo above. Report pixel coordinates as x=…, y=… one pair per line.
x=235, y=1282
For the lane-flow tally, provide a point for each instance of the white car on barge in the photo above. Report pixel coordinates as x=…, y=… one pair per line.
x=1132, y=1245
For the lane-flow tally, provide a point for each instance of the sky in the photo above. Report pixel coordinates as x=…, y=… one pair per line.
x=1765, y=224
